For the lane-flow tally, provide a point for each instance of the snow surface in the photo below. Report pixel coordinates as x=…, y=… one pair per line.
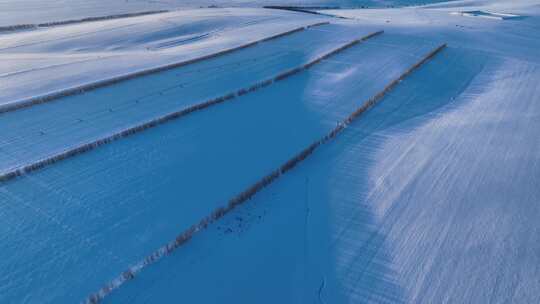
x=431, y=196
x=45, y=61
x=15, y=12
x=159, y=176
x=400, y=209
x=75, y=120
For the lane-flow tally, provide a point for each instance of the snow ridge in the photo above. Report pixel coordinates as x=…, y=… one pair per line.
x=252, y=190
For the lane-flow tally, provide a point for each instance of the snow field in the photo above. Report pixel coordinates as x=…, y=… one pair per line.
x=46, y=62
x=312, y=235
x=252, y=190
x=142, y=173
x=429, y=196
x=58, y=146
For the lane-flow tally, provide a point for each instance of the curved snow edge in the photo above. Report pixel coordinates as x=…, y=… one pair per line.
x=247, y=194
x=16, y=105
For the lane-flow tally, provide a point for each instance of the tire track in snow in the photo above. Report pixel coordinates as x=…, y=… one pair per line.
x=247, y=194
x=21, y=170
x=19, y=104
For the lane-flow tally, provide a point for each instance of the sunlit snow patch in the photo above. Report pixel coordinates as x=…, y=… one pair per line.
x=486, y=14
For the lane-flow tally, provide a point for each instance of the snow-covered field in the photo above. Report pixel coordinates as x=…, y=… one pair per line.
x=48, y=60
x=431, y=195
x=33, y=12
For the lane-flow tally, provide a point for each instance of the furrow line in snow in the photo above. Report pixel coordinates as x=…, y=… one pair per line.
x=10, y=174
x=16, y=105
x=18, y=27
x=247, y=194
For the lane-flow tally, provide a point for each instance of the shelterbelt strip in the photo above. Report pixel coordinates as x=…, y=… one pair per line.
x=5, y=176
x=20, y=27
x=244, y=196
x=19, y=104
